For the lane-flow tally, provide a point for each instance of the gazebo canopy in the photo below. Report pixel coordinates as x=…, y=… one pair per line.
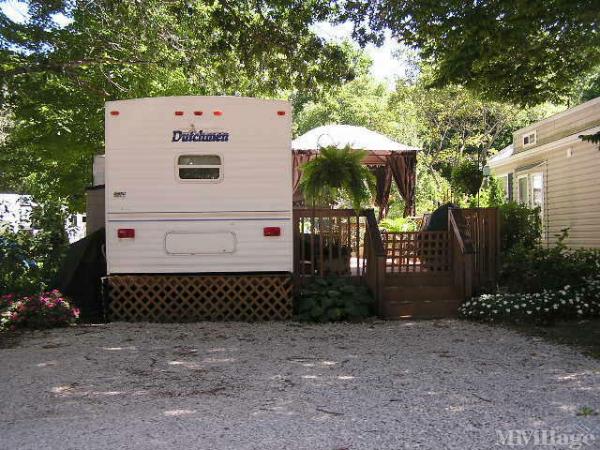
x=341, y=136
x=388, y=159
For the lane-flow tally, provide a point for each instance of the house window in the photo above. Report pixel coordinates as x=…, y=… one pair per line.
x=529, y=139
x=199, y=167
x=503, y=181
x=537, y=190
x=523, y=186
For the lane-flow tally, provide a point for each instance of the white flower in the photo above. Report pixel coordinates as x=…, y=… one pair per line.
x=528, y=312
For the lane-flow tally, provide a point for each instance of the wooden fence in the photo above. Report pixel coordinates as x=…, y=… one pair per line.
x=483, y=229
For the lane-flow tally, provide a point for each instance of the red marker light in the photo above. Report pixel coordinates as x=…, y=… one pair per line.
x=125, y=233
x=218, y=113
x=179, y=113
x=271, y=231
x=197, y=113
x=281, y=113
x=114, y=113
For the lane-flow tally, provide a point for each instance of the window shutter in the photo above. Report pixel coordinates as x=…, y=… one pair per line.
x=510, y=187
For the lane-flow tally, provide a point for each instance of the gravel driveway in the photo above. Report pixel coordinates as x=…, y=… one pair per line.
x=380, y=385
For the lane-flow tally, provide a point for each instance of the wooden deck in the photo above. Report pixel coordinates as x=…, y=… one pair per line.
x=411, y=274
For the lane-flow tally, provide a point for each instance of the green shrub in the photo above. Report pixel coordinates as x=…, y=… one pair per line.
x=47, y=310
x=542, y=307
x=332, y=300
x=399, y=224
x=30, y=259
x=533, y=269
x=520, y=226
x=467, y=177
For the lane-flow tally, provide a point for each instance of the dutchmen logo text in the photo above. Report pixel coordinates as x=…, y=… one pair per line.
x=199, y=136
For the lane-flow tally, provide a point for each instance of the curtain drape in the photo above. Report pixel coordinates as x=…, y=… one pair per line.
x=383, y=179
x=404, y=170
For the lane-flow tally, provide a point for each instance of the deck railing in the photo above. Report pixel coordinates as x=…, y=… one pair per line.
x=343, y=243
x=462, y=251
x=417, y=251
x=329, y=242
x=483, y=225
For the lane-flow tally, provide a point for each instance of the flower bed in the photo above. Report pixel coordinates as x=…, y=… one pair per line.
x=582, y=301
x=47, y=310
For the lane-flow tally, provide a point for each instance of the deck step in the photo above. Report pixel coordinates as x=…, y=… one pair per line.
x=423, y=302
x=421, y=310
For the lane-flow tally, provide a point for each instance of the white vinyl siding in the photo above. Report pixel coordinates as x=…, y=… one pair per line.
x=569, y=193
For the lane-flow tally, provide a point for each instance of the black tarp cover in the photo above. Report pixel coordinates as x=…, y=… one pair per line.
x=439, y=218
x=81, y=274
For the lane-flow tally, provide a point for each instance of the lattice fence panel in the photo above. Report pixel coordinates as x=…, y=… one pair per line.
x=189, y=298
x=417, y=251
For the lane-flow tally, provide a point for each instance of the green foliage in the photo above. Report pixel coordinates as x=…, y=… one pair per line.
x=521, y=226
x=56, y=80
x=361, y=102
x=542, y=307
x=449, y=124
x=46, y=310
x=30, y=259
x=587, y=87
x=467, y=177
x=492, y=195
x=524, y=52
x=334, y=174
x=399, y=224
x=333, y=300
x=534, y=268
x=593, y=138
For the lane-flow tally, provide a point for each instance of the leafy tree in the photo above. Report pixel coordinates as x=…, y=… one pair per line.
x=526, y=52
x=335, y=174
x=54, y=80
x=453, y=124
x=361, y=102
x=587, y=87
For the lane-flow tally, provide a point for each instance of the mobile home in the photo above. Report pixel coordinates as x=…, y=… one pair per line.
x=198, y=185
x=549, y=166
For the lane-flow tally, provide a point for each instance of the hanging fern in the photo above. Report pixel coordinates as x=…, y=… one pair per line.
x=337, y=173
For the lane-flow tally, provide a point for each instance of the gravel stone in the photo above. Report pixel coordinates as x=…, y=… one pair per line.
x=379, y=385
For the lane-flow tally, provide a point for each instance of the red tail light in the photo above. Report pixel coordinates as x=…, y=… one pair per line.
x=126, y=233
x=114, y=113
x=272, y=231
x=218, y=113
x=179, y=113
x=281, y=113
x=197, y=113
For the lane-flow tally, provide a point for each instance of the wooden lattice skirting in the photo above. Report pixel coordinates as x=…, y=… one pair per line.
x=191, y=298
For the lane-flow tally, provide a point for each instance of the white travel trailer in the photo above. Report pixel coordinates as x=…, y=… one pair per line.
x=198, y=185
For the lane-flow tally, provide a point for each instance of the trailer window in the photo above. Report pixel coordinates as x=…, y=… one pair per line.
x=199, y=167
